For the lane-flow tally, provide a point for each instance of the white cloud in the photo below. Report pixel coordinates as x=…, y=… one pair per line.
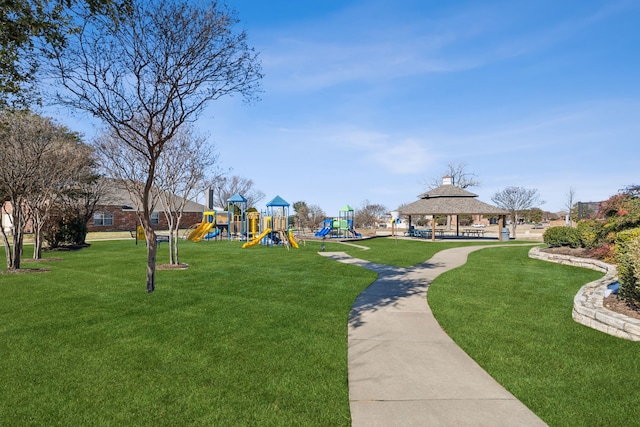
x=406, y=157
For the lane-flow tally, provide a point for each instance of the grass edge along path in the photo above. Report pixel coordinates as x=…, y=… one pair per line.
x=512, y=315
x=407, y=252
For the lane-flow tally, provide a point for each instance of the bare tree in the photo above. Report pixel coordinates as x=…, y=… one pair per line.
x=569, y=204
x=302, y=214
x=38, y=159
x=369, y=214
x=19, y=168
x=62, y=168
x=78, y=203
x=224, y=187
x=460, y=177
x=316, y=216
x=128, y=167
x=308, y=216
x=459, y=174
x=181, y=168
x=150, y=74
x=516, y=200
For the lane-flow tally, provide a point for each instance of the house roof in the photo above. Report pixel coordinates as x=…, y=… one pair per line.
x=450, y=200
x=117, y=195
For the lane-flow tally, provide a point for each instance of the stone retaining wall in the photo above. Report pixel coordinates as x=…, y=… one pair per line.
x=587, y=304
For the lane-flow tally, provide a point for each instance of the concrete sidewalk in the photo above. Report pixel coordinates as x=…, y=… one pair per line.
x=404, y=370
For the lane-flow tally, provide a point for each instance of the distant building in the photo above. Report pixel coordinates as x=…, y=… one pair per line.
x=589, y=210
x=119, y=212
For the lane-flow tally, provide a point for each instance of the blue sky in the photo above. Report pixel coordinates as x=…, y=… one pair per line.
x=370, y=100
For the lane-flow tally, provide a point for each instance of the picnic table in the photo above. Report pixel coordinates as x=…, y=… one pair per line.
x=473, y=232
x=424, y=233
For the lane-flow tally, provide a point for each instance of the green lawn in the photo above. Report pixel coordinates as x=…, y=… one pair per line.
x=512, y=314
x=258, y=336
x=243, y=337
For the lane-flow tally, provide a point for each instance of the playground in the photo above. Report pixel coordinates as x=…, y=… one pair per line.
x=269, y=227
x=340, y=227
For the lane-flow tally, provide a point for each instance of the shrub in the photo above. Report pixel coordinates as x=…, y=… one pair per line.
x=604, y=252
x=629, y=272
x=591, y=233
x=622, y=211
x=562, y=236
x=66, y=232
x=624, y=238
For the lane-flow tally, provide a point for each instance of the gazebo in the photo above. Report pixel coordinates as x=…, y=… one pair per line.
x=448, y=199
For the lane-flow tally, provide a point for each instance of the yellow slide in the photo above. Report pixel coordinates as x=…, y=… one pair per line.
x=257, y=239
x=200, y=231
x=292, y=240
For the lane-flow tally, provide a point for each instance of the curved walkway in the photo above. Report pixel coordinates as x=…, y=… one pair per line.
x=404, y=370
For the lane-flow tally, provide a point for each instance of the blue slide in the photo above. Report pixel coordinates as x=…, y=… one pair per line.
x=323, y=232
x=212, y=234
x=354, y=232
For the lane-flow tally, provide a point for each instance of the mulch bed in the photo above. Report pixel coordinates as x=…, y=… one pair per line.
x=172, y=266
x=26, y=270
x=612, y=302
x=31, y=270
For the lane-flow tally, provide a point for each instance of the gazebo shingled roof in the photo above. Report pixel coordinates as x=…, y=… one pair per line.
x=450, y=200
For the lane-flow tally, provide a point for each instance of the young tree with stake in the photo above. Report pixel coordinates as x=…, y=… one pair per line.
x=150, y=74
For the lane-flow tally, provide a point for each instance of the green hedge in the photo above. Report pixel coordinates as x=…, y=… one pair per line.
x=627, y=249
x=591, y=233
x=562, y=236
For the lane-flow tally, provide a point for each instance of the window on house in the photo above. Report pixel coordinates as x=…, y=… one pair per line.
x=155, y=218
x=103, y=218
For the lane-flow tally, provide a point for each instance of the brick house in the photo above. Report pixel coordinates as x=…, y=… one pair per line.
x=119, y=213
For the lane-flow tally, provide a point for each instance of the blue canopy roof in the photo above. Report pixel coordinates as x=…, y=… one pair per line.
x=278, y=201
x=237, y=198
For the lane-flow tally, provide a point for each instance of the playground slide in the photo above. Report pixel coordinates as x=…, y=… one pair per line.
x=204, y=230
x=292, y=240
x=197, y=230
x=212, y=234
x=257, y=239
x=323, y=232
x=354, y=232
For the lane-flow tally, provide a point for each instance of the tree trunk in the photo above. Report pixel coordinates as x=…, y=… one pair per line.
x=16, y=250
x=177, y=231
x=173, y=239
x=37, y=245
x=152, y=246
x=37, y=239
x=171, y=245
x=7, y=250
x=13, y=258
